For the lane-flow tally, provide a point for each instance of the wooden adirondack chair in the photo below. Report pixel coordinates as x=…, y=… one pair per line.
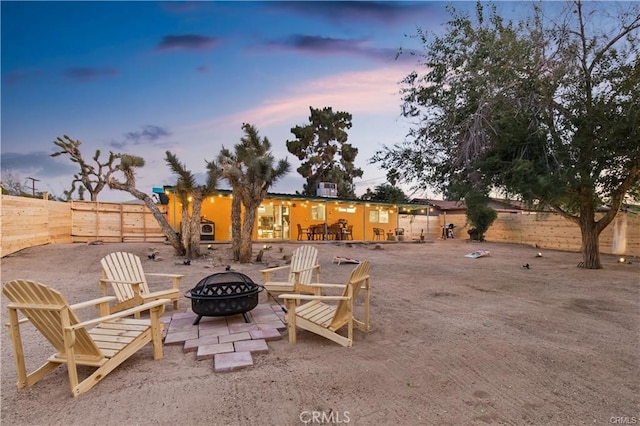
x=325, y=320
x=304, y=261
x=111, y=341
x=129, y=282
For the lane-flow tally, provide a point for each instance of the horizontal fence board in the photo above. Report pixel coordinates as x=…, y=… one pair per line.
x=115, y=222
x=553, y=231
x=29, y=222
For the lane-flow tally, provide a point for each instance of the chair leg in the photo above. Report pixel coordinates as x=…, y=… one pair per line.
x=291, y=320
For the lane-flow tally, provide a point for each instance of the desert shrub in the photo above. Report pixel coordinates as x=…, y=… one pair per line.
x=479, y=215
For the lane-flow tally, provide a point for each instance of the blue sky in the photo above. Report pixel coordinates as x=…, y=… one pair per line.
x=146, y=77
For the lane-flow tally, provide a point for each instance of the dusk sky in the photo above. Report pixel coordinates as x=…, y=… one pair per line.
x=146, y=77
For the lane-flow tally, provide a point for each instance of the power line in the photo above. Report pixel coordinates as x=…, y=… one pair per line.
x=33, y=185
x=370, y=180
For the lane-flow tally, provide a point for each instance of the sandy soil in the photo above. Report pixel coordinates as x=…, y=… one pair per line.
x=454, y=341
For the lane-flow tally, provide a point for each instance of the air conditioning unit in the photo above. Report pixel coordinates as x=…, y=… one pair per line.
x=327, y=189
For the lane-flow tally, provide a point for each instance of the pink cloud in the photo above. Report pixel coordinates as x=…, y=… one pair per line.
x=364, y=92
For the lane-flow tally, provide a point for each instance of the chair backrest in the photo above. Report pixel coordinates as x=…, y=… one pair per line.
x=49, y=312
x=302, y=258
x=359, y=274
x=123, y=266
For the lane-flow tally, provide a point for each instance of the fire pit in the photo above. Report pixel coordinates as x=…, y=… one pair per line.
x=222, y=294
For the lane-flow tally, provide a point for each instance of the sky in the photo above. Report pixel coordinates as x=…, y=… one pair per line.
x=144, y=78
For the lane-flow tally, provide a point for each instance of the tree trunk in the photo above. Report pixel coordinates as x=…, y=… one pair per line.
x=236, y=227
x=590, y=243
x=184, y=227
x=193, y=247
x=247, y=234
x=171, y=235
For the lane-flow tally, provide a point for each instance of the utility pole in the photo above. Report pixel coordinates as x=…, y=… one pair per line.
x=33, y=185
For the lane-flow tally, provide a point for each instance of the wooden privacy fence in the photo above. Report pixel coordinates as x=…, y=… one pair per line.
x=114, y=222
x=28, y=222
x=552, y=231
x=544, y=230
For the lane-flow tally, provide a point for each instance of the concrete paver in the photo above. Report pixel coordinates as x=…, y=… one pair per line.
x=193, y=344
x=232, y=361
x=267, y=335
x=209, y=351
x=252, y=346
x=234, y=337
x=180, y=336
x=229, y=340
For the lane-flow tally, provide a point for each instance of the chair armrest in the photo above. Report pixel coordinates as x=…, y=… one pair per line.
x=320, y=285
x=275, y=268
x=93, y=302
x=266, y=273
x=107, y=280
x=121, y=314
x=175, y=278
x=310, y=268
x=311, y=297
x=102, y=304
x=163, y=275
x=18, y=305
x=135, y=285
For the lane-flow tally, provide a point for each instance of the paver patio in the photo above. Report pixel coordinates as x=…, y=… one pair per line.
x=229, y=341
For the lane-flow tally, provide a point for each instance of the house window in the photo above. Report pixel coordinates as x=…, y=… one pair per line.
x=379, y=216
x=317, y=212
x=384, y=216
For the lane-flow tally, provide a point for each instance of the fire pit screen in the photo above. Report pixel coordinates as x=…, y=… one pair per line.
x=222, y=294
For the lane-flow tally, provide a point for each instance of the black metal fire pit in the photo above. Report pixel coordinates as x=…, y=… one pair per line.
x=222, y=294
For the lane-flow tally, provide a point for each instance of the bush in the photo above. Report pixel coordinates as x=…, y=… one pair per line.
x=479, y=214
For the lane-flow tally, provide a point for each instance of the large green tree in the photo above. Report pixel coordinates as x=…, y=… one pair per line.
x=251, y=170
x=387, y=193
x=324, y=151
x=547, y=110
x=191, y=194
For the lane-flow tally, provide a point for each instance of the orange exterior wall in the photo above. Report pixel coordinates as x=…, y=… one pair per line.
x=217, y=209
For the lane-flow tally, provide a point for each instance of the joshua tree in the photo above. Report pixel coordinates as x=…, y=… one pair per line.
x=92, y=178
x=128, y=163
x=190, y=193
x=251, y=172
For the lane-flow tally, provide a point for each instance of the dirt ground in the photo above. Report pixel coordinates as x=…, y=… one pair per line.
x=454, y=341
